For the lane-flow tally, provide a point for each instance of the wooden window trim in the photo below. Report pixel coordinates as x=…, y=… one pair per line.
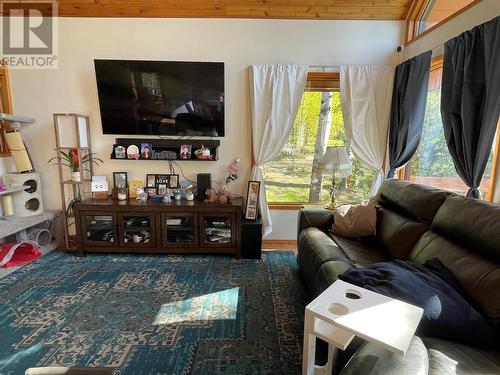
x=6, y=106
x=437, y=63
x=414, y=15
x=314, y=78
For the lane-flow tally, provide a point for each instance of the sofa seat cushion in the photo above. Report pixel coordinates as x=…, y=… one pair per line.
x=447, y=357
x=373, y=359
x=314, y=249
x=361, y=252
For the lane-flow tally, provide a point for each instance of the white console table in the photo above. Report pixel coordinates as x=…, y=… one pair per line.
x=344, y=310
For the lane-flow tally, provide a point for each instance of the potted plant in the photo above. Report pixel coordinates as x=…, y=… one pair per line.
x=70, y=159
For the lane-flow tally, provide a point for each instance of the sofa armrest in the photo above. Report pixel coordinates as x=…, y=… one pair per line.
x=314, y=217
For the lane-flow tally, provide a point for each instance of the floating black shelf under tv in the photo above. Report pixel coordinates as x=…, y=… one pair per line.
x=164, y=149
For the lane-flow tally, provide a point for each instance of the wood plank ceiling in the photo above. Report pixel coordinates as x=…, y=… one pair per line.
x=289, y=9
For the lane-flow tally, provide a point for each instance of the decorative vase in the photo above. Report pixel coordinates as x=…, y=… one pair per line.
x=75, y=176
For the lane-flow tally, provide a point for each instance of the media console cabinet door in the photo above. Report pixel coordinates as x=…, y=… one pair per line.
x=218, y=229
x=99, y=228
x=137, y=230
x=179, y=230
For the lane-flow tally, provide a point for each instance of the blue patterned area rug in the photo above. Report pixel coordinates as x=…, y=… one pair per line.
x=153, y=314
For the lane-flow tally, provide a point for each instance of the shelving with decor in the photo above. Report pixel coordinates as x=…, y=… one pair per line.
x=156, y=227
x=72, y=133
x=166, y=149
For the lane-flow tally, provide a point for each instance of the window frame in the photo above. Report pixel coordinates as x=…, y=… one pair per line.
x=417, y=10
x=316, y=81
x=406, y=172
x=6, y=107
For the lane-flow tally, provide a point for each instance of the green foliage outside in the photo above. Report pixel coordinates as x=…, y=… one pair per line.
x=288, y=177
x=432, y=158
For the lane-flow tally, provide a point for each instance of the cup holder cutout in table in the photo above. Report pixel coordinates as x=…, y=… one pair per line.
x=338, y=309
x=353, y=294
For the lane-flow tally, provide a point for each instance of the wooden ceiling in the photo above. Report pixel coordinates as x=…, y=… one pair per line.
x=287, y=9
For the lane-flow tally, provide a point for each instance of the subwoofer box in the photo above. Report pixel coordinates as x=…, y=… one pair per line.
x=29, y=201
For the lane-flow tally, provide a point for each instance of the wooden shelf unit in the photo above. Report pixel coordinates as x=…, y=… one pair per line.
x=173, y=145
x=198, y=227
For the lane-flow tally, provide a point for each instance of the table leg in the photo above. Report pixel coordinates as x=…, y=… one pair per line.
x=309, y=348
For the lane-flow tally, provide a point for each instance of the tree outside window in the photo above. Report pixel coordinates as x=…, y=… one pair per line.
x=294, y=177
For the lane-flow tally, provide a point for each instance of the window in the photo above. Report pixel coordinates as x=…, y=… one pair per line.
x=5, y=107
x=427, y=14
x=294, y=177
x=432, y=163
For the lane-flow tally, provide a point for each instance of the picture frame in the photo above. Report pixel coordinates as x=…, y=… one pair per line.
x=171, y=181
x=150, y=180
x=185, y=152
x=252, y=202
x=133, y=186
x=161, y=179
x=162, y=189
x=120, y=180
x=174, y=181
x=120, y=152
x=146, y=150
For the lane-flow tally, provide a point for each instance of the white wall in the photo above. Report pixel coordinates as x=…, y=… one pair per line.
x=239, y=43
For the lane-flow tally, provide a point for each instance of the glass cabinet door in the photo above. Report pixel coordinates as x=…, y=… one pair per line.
x=137, y=230
x=99, y=229
x=218, y=230
x=178, y=230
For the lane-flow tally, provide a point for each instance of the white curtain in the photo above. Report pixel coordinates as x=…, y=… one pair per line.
x=366, y=95
x=275, y=96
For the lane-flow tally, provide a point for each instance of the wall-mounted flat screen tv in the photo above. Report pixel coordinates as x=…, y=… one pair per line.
x=161, y=97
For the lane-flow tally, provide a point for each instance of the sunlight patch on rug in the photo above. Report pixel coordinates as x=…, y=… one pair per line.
x=214, y=306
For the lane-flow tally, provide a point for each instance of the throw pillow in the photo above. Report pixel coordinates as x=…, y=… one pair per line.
x=356, y=220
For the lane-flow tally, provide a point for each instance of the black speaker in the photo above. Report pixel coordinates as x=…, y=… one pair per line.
x=251, y=238
x=204, y=182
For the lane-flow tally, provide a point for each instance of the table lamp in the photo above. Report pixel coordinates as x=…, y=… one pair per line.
x=337, y=160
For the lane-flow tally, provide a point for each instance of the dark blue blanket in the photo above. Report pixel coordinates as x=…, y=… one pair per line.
x=447, y=314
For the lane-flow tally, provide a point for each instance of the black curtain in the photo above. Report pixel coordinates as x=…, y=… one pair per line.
x=411, y=83
x=470, y=99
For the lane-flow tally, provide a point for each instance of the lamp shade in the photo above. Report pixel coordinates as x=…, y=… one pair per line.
x=336, y=159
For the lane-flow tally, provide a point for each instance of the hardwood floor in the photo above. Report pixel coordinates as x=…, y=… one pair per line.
x=285, y=245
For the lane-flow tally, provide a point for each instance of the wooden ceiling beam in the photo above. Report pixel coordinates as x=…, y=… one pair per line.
x=284, y=9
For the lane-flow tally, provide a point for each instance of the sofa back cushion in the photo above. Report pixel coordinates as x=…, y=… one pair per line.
x=472, y=223
x=397, y=234
x=479, y=277
x=417, y=202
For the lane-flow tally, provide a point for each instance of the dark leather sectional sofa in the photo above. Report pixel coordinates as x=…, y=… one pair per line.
x=415, y=222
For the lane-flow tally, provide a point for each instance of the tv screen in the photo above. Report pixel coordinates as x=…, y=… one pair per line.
x=161, y=97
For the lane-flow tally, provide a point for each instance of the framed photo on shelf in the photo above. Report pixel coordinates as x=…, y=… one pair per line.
x=252, y=205
x=120, y=179
x=162, y=189
x=150, y=180
x=185, y=152
x=133, y=186
x=146, y=150
x=173, y=181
